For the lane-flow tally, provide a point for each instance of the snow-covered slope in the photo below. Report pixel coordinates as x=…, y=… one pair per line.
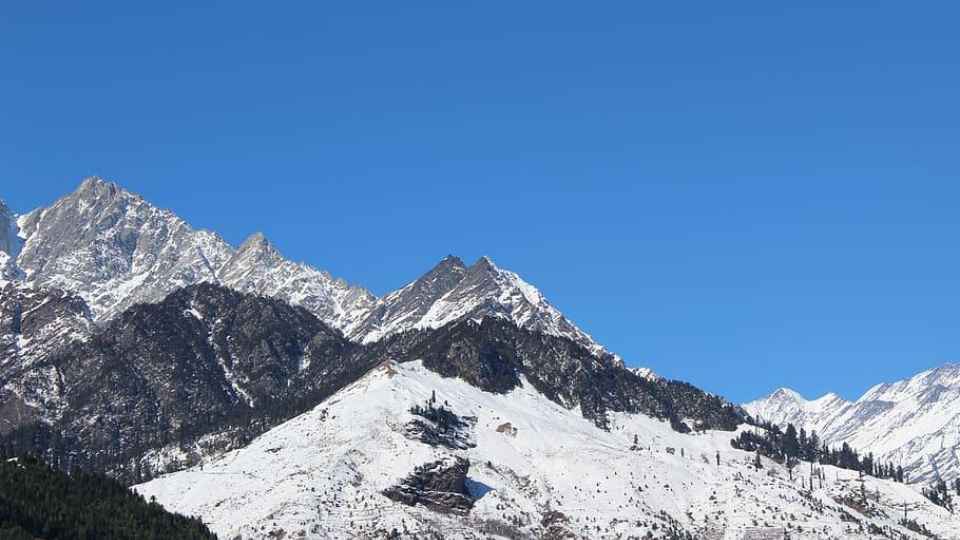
x=115, y=249
x=914, y=422
x=536, y=470
x=452, y=291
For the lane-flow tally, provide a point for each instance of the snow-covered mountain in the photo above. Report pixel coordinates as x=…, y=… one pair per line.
x=115, y=249
x=368, y=461
x=452, y=291
x=463, y=402
x=913, y=422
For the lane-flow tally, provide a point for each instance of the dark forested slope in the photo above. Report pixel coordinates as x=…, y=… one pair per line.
x=39, y=502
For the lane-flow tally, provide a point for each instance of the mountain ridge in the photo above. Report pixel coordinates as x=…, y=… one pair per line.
x=115, y=249
x=914, y=422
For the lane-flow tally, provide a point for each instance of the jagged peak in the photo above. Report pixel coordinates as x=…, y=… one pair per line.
x=95, y=185
x=485, y=263
x=450, y=264
x=787, y=393
x=255, y=247
x=829, y=396
x=256, y=241
x=451, y=260
x=950, y=369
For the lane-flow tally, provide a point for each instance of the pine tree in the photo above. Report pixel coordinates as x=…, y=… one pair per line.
x=791, y=446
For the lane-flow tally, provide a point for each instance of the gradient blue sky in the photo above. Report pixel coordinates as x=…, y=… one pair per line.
x=742, y=196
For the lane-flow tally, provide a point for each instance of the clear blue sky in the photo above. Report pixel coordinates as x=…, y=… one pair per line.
x=743, y=196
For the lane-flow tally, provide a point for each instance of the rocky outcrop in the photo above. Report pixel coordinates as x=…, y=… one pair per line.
x=439, y=486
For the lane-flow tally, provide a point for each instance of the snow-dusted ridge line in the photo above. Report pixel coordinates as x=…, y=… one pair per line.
x=914, y=422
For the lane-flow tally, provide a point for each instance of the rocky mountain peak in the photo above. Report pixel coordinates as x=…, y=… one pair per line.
x=452, y=292
x=485, y=264
x=257, y=248
x=787, y=394
x=115, y=249
x=449, y=271
x=450, y=262
x=96, y=187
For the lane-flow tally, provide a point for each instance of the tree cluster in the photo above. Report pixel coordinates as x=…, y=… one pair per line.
x=445, y=419
x=37, y=501
x=789, y=446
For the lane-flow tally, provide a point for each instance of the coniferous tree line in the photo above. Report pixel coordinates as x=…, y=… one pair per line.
x=37, y=501
x=790, y=445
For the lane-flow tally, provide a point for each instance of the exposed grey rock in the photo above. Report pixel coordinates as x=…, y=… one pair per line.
x=439, y=486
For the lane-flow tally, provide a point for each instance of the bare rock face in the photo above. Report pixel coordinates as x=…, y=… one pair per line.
x=439, y=486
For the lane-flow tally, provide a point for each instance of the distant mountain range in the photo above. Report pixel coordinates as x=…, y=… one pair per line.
x=914, y=423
